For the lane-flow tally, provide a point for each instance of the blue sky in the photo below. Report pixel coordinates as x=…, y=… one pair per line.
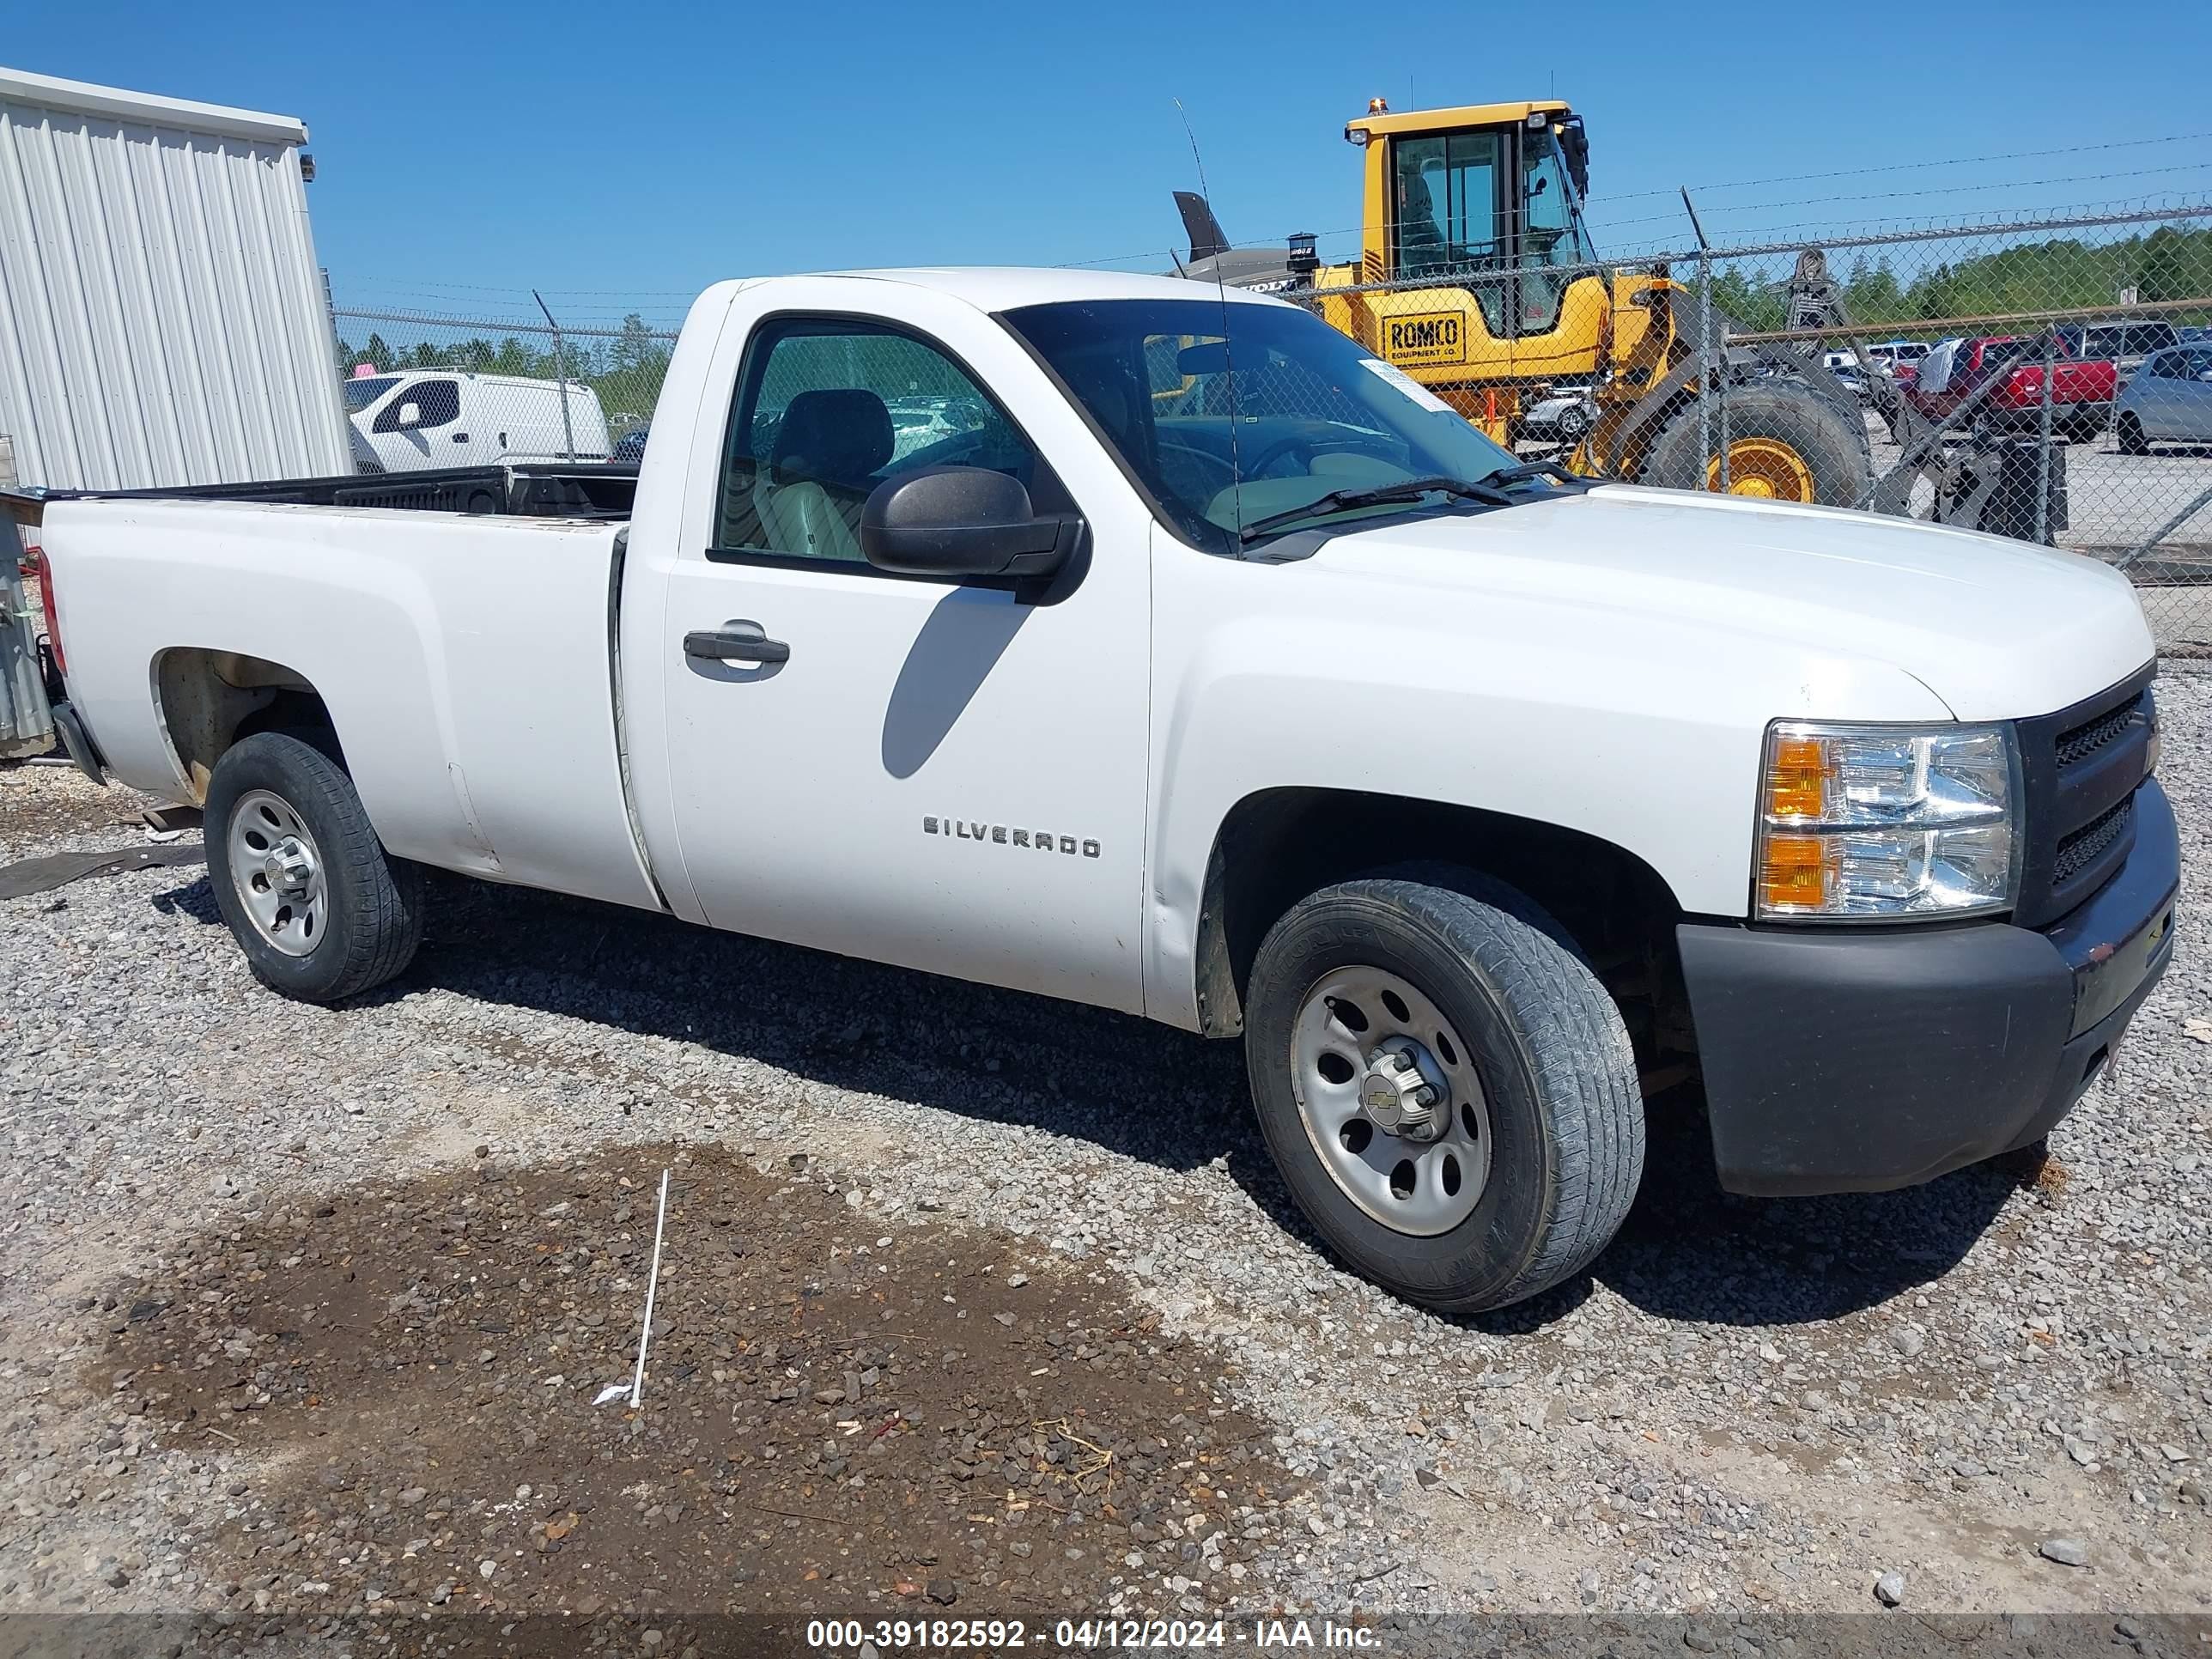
x=620, y=156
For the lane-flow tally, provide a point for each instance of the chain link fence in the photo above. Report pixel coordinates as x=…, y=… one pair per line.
x=2047, y=380
x=425, y=390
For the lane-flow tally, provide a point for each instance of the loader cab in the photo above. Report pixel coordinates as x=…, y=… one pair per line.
x=1462, y=193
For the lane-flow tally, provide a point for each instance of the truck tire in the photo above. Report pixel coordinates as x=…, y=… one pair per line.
x=1786, y=442
x=321, y=910
x=1521, y=1164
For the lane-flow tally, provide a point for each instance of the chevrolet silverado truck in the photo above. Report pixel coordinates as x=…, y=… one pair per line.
x=1190, y=661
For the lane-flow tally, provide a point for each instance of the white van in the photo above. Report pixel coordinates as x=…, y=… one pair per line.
x=441, y=418
x=1900, y=351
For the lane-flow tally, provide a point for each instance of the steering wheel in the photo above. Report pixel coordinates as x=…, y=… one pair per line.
x=1282, y=446
x=1186, y=452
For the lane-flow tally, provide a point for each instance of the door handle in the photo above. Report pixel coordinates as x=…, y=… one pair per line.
x=735, y=645
x=461, y=437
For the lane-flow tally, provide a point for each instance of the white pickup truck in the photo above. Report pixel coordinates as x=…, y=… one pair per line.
x=1200, y=666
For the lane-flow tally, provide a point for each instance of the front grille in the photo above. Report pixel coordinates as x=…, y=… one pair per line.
x=2079, y=768
x=2078, y=851
x=2086, y=739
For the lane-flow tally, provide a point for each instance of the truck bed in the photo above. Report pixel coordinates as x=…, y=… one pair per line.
x=596, y=491
x=467, y=660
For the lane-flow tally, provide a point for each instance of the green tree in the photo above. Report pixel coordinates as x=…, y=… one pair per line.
x=2175, y=264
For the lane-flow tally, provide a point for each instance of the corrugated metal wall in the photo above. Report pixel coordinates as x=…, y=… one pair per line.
x=161, y=316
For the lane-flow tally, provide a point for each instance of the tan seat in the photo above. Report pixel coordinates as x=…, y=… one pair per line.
x=828, y=448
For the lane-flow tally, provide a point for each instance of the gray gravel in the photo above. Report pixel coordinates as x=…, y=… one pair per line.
x=1994, y=1389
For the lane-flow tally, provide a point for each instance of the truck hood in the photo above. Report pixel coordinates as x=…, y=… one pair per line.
x=1997, y=630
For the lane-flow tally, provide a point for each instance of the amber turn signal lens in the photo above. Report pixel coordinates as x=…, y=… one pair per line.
x=1795, y=872
x=1797, y=779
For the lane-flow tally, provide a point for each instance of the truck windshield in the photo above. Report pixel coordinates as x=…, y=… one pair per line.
x=360, y=393
x=1224, y=414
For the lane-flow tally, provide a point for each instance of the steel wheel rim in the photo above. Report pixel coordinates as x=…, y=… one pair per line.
x=1763, y=467
x=276, y=871
x=1420, y=1187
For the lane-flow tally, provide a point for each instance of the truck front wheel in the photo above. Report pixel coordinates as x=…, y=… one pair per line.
x=1447, y=1089
x=321, y=910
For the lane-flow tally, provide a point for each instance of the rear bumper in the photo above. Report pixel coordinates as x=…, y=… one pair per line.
x=2064, y=418
x=1843, y=1060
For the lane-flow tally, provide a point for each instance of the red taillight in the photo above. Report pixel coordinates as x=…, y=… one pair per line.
x=45, y=574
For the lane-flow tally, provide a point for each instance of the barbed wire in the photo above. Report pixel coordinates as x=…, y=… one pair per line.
x=1923, y=166
x=1780, y=178
x=487, y=325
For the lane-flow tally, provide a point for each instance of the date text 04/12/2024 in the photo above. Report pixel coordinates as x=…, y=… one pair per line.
x=1163, y=1635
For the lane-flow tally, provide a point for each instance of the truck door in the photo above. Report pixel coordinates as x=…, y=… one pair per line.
x=928, y=772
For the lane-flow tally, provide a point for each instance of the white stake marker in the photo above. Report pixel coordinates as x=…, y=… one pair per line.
x=635, y=1391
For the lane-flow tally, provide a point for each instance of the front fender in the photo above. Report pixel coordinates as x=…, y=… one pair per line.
x=1645, y=735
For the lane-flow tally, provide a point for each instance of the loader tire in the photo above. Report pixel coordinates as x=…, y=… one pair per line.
x=1786, y=442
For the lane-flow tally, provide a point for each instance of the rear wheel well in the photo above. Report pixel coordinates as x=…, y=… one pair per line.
x=1280, y=845
x=209, y=700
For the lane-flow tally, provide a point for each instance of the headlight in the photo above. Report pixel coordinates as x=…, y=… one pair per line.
x=1880, y=821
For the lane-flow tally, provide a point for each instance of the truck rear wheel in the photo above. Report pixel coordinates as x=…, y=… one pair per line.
x=321, y=909
x=1447, y=1089
x=1786, y=442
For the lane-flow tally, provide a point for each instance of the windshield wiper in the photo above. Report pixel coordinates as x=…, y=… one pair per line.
x=1529, y=471
x=1403, y=490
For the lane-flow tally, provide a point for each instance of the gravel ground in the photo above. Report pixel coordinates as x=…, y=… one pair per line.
x=293, y=1318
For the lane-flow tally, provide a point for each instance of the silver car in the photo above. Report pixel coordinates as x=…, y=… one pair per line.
x=2169, y=400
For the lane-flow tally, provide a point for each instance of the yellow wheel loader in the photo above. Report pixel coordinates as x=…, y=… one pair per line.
x=1477, y=278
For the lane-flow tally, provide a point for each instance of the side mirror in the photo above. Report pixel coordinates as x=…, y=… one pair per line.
x=962, y=521
x=410, y=415
x=1208, y=357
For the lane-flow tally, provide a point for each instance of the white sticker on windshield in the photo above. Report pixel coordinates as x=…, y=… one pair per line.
x=1406, y=384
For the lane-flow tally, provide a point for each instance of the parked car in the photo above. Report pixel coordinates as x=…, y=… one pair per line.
x=630, y=447
x=442, y=417
x=1891, y=359
x=1564, y=415
x=918, y=423
x=2124, y=345
x=1900, y=352
x=1470, y=795
x=1850, y=376
x=2168, y=401
x=2081, y=392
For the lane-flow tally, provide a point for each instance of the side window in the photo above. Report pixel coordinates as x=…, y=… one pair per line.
x=440, y=402
x=827, y=409
x=2164, y=366
x=1444, y=216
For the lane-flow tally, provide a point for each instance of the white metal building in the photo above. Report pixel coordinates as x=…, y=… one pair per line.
x=162, y=319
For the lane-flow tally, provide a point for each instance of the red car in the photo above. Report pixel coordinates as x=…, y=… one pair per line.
x=2081, y=391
